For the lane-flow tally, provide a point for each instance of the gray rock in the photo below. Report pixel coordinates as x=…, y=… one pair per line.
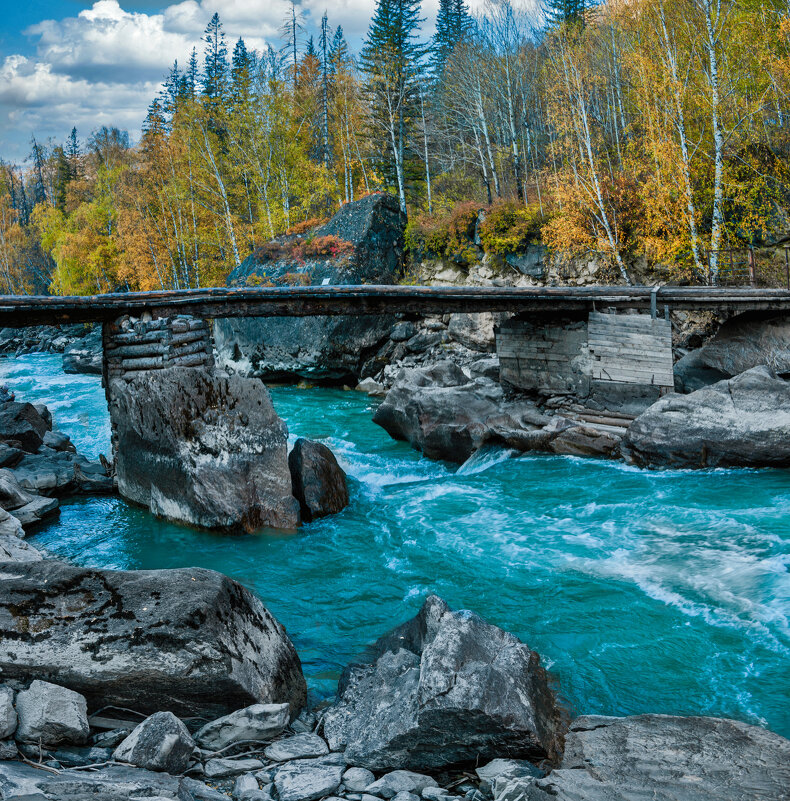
x=258, y=722
x=485, y=368
x=357, y=780
x=56, y=473
x=203, y=448
x=8, y=718
x=530, y=262
x=50, y=714
x=402, y=331
x=319, y=483
x=222, y=768
x=474, y=331
x=446, y=688
x=84, y=355
x=8, y=750
x=666, y=758
x=10, y=529
x=396, y=782
x=190, y=641
x=319, y=347
x=404, y=796
x=37, y=510
x=245, y=785
x=435, y=794
x=371, y=387
x=505, y=770
x=307, y=779
x=691, y=373
x=13, y=549
x=58, y=441
x=110, y=739
x=78, y=756
x=423, y=341
x=113, y=783
x=744, y=421
x=160, y=742
x=749, y=340
x=12, y=495
x=21, y=423
x=297, y=747
x=444, y=414
x=368, y=797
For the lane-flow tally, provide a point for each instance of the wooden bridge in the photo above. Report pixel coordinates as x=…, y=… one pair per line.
x=22, y=310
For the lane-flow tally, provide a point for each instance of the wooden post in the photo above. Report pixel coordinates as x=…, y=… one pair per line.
x=751, y=265
x=787, y=265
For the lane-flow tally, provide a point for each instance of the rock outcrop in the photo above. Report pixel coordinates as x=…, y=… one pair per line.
x=191, y=641
x=691, y=373
x=85, y=354
x=749, y=340
x=743, y=421
x=203, y=448
x=319, y=483
x=663, y=758
x=447, y=415
x=445, y=688
x=361, y=244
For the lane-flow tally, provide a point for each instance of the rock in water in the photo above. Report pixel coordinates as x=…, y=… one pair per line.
x=192, y=641
x=85, y=355
x=665, y=758
x=50, y=714
x=21, y=423
x=319, y=482
x=744, y=421
x=160, y=742
x=202, y=448
x=363, y=244
x=446, y=688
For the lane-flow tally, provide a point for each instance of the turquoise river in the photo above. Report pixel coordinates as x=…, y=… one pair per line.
x=643, y=591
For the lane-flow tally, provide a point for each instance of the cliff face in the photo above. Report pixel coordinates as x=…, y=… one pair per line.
x=361, y=244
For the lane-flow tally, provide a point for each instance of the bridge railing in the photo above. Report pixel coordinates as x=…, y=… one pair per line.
x=748, y=267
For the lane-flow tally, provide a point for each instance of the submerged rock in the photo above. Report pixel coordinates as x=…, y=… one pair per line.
x=319, y=483
x=663, y=758
x=189, y=641
x=160, y=742
x=202, y=448
x=445, y=688
x=743, y=421
x=366, y=247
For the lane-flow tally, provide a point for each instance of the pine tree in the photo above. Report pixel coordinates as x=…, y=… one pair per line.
x=38, y=155
x=62, y=176
x=339, y=54
x=559, y=12
x=325, y=68
x=215, y=62
x=73, y=153
x=191, y=76
x=172, y=91
x=391, y=59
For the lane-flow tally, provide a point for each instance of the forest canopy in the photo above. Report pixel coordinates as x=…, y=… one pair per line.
x=652, y=128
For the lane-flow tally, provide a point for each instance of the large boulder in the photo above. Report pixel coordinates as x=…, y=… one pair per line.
x=475, y=331
x=362, y=244
x=446, y=415
x=445, y=688
x=256, y=722
x=319, y=483
x=190, y=641
x=85, y=355
x=691, y=373
x=743, y=421
x=663, y=758
x=203, y=448
x=749, y=340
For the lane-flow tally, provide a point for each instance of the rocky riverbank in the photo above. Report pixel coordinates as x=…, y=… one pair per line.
x=179, y=684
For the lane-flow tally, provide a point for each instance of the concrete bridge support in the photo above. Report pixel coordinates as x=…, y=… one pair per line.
x=627, y=356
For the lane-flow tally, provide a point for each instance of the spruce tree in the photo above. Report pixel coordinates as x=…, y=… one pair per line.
x=241, y=73
x=171, y=93
x=191, y=76
x=73, y=153
x=215, y=62
x=62, y=176
x=391, y=59
x=570, y=12
x=339, y=54
x=453, y=23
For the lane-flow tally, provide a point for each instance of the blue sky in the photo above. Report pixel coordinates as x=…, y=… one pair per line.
x=67, y=63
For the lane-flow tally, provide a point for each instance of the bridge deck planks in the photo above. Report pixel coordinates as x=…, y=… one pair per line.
x=21, y=310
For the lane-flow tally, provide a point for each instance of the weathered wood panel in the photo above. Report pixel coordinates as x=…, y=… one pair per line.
x=632, y=349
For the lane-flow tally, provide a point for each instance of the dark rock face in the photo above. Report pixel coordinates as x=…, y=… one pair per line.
x=744, y=421
x=319, y=348
x=193, y=642
x=691, y=373
x=665, y=758
x=202, y=448
x=21, y=423
x=84, y=355
x=445, y=688
x=319, y=483
x=747, y=341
